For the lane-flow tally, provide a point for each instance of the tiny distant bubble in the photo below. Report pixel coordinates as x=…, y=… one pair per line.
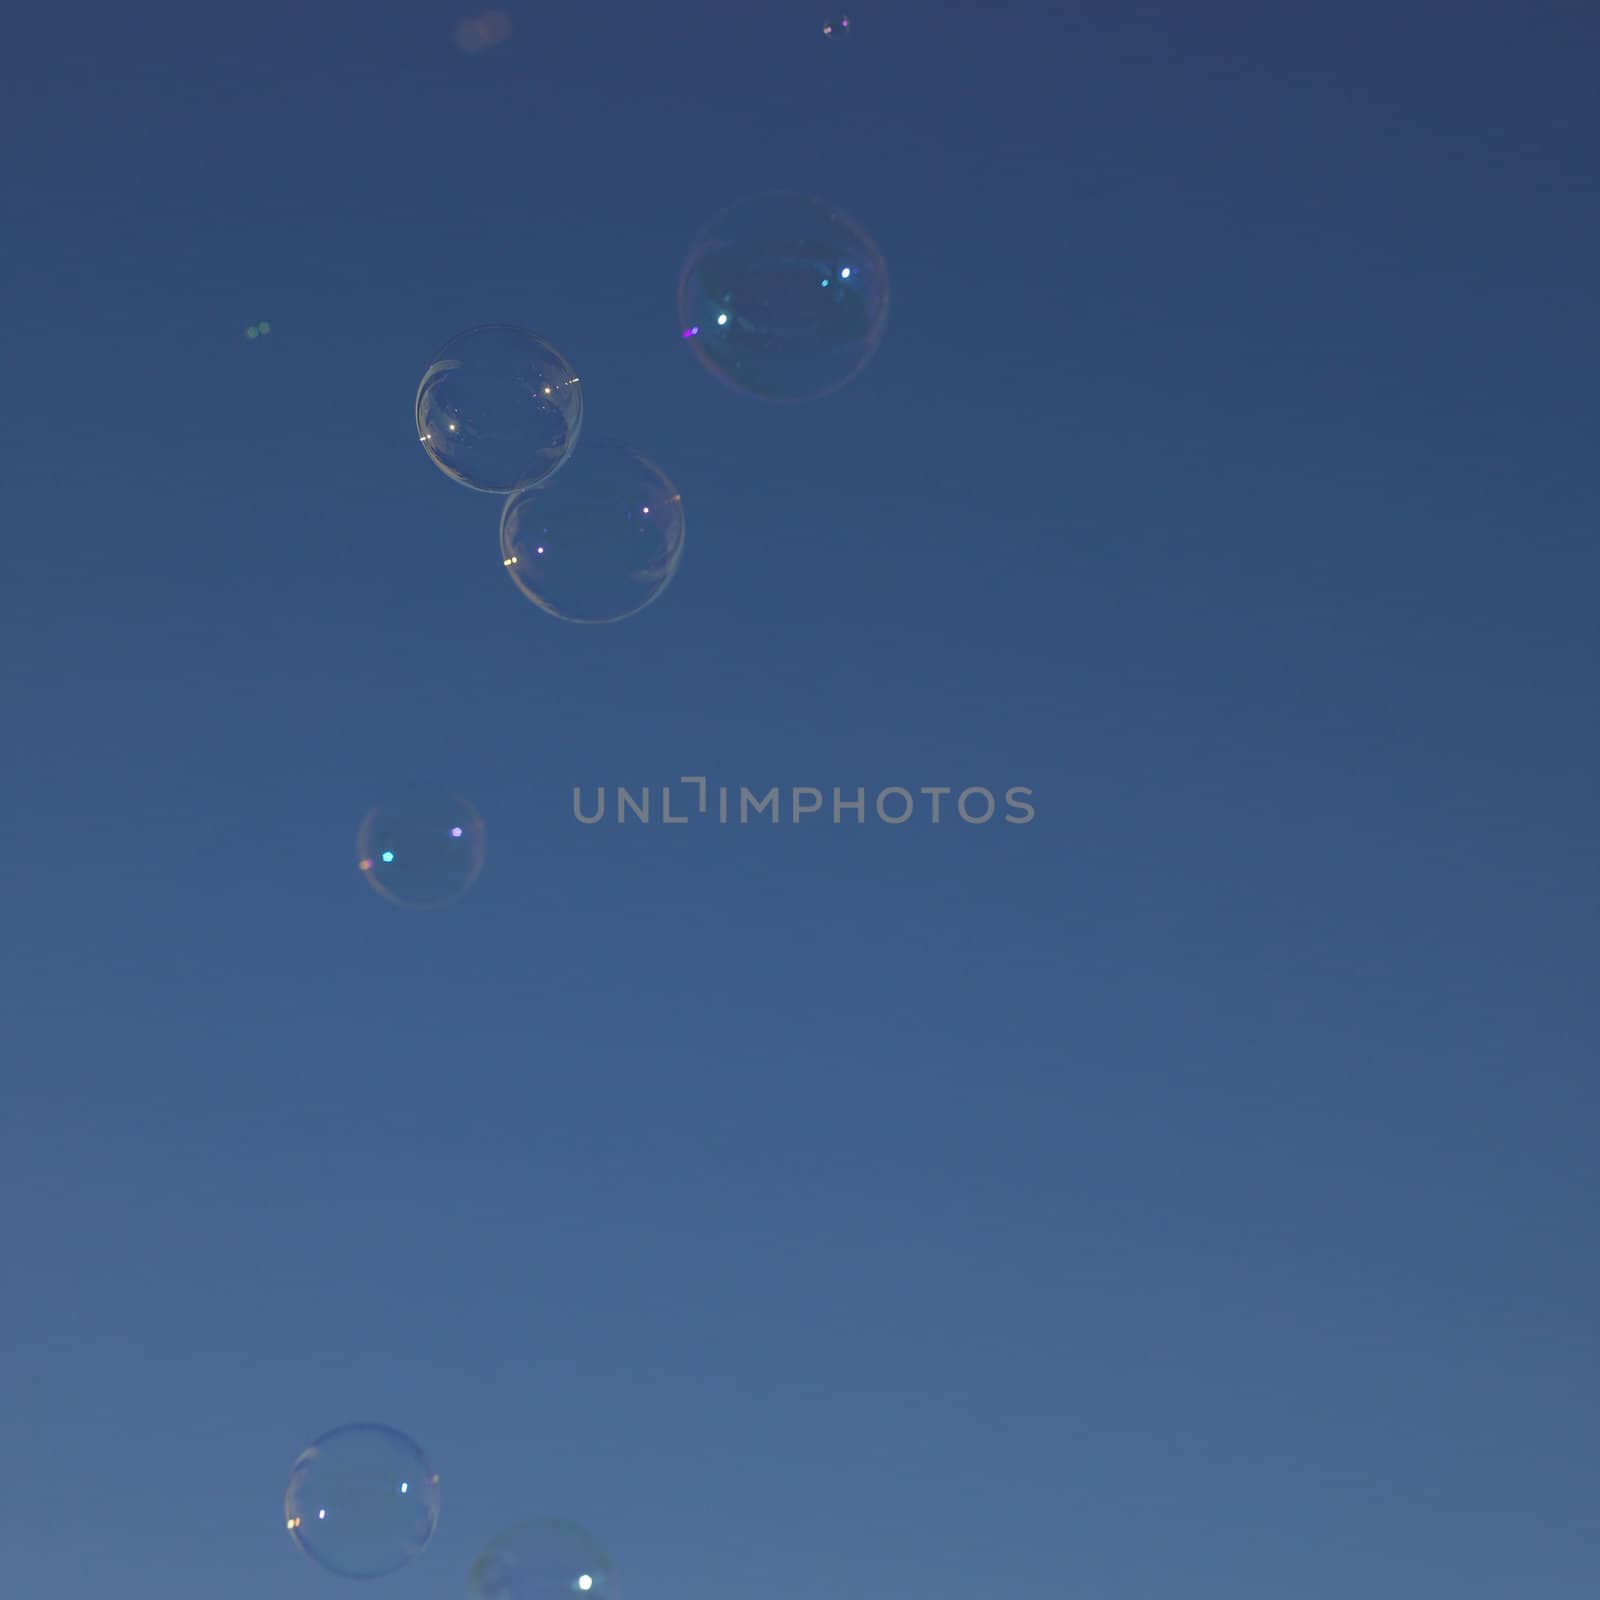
x=483, y=32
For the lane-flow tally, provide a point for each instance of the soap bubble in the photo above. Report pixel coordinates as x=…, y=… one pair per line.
x=783, y=298
x=499, y=407
x=362, y=1501
x=543, y=1560
x=423, y=849
x=598, y=542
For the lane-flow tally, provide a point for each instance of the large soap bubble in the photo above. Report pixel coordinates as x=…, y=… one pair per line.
x=422, y=848
x=499, y=407
x=543, y=1560
x=598, y=542
x=362, y=1501
x=783, y=298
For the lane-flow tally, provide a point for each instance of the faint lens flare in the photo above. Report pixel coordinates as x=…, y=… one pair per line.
x=482, y=32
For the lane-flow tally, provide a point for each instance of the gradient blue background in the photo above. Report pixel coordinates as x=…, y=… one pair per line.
x=1191, y=1193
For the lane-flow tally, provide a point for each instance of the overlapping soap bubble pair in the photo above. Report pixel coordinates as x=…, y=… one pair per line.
x=363, y=1502
x=589, y=535
x=782, y=298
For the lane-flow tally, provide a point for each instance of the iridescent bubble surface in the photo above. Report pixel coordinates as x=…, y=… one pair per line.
x=600, y=540
x=362, y=1501
x=421, y=848
x=783, y=297
x=544, y=1559
x=498, y=407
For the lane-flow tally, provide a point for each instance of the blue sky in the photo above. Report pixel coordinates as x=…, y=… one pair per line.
x=1190, y=1192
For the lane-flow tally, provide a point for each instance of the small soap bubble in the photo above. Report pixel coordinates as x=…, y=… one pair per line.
x=362, y=1501
x=422, y=849
x=600, y=540
x=545, y=1559
x=783, y=297
x=499, y=407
